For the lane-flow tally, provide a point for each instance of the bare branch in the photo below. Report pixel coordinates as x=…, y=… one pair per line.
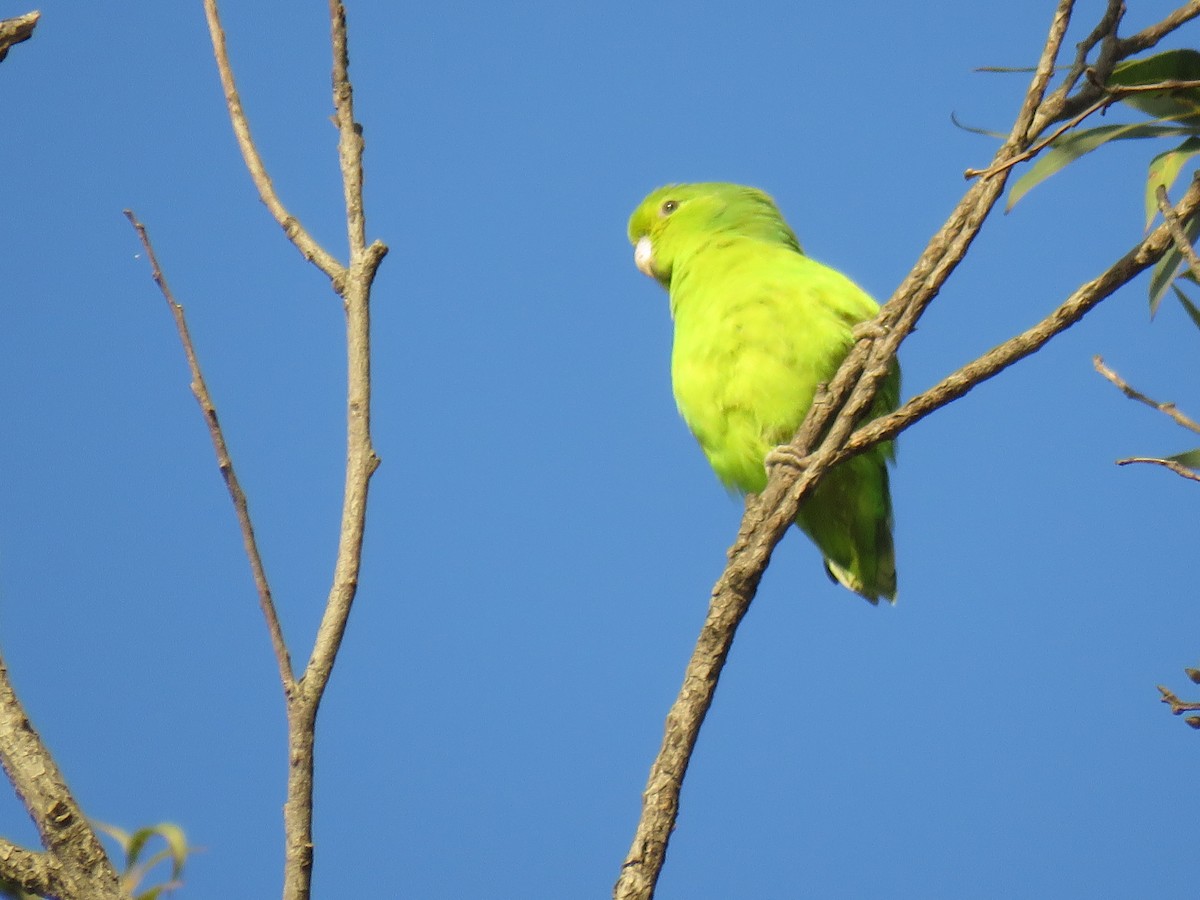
x=1111, y=94
x=1171, y=464
x=1177, y=706
x=1168, y=409
x=15, y=30
x=304, y=242
x=361, y=460
x=353, y=283
x=1178, y=234
x=1103, y=103
x=1151, y=35
x=34, y=872
x=79, y=862
x=225, y=463
x=350, y=141
x=1105, y=31
x=1074, y=308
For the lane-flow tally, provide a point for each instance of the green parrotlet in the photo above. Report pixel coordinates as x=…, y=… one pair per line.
x=758, y=325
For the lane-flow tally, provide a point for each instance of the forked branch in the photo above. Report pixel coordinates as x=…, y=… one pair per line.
x=352, y=282
x=828, y=435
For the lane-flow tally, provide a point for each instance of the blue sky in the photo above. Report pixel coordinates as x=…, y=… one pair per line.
x=544, y=532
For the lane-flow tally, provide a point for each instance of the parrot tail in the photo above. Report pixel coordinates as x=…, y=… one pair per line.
x=849, y=517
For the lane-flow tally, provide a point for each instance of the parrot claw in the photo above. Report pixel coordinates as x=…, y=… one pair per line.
x=869, y=330
x=784, y=455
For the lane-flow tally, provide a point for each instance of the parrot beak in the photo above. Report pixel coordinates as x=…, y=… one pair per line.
x=643, y=256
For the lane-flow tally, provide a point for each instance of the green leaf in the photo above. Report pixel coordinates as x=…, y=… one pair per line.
x=974, y=130
x=177, y=846
x=120, y=835
x=1075, y=144
x=1166, y=269
x=1164, y=169
x=1190, y=459
x=1188, y=305
x=1178, y=105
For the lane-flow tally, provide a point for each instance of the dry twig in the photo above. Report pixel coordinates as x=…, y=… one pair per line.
x=1179, y=469
x=1178, y=706
x=1167, y=409
x=1112, y=94
x=1178, y=234
x=224, y=462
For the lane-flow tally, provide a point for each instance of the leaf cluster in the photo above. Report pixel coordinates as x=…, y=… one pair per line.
x=1164, y=87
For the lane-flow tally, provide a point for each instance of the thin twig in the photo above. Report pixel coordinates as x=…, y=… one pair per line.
x=1178, y=468
x=1170, y=84
x=1168, y=409
x=224, y=462
x=1178, y=706
x=1182, y=244
x=1082, y=301
x=350, y=140
x=1152, y=34
x=291, y=226
x=1041, y=145
x=1112, y=94
x=1105, y=30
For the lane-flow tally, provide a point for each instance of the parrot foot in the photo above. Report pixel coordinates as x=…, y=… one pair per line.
x=784, y=455
x=869, y=330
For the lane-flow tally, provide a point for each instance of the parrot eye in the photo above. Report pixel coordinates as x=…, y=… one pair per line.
x=668, y=207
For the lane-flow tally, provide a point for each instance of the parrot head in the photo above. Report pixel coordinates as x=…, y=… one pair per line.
x=675, y=221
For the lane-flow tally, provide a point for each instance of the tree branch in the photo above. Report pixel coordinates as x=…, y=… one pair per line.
x=1178, y=234
x=33, y=872
x=76, y=864
x=15, y=30
x=353, y=283
x=1085, y=298
x=1179, y=469
x=1113, y=50
x=225, y=463
x=1105, y=31
x=1151, y=35
x=361, y=461
x=1168, y=409
x=828, y=427
x=1177, y=706
x=304, y=242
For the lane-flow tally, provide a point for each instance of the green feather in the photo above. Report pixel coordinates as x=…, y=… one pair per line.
x=758, y=325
